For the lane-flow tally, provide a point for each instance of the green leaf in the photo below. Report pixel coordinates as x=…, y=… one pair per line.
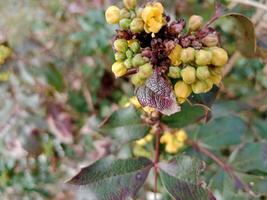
x=244, y=31
x=261, y=127
x=222, y=132
x=257, y=183
x=125, y=125
x=206, y=99
x=262, y=47
x=180, y=178
x=188, y=115
x=54, y=77
x=252, y=157
x=110, y=179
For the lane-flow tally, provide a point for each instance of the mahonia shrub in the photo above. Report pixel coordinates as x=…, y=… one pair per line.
x=176, y=67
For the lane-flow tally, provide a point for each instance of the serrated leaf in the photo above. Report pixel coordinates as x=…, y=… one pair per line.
x=252, y=157
x=222, y=132
x=206, y=99
x=244, y=31
x=125, y=125
x=110, y=179
x=188, y=115
x=180, y=178
x=157, y=93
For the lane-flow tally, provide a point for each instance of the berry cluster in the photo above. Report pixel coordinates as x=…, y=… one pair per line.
x=147, y=41
x=5, y=52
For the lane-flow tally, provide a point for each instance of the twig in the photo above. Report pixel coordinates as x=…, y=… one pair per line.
x=251, y=3
x=156, y=160
x=231, y=62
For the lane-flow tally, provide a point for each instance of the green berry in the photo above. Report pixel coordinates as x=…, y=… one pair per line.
x=129, y=54
x=128, y=63
x=121, y=45
x=120, y=56
x=125, y=24
x=137, y=80
x=146, y=70
x=174, y=72
x=189, y=75
x=134, y=46
x=203, y=73
x=138, y=60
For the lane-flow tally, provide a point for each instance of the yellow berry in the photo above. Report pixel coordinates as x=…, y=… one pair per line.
x=141, y=142
x=174, y=72
x=137, y=25
x=189, y=74
x=195, y=22
x=120, y=56
x=219, y=56
x=182, y=91
x=119, y=69
x=112, y=15
x=137, y=80
x=216, y=78
x=188, y=55
x=166, y=138
x=181, y=136
x=203, y=57
x=199, y=87
x=124, y=13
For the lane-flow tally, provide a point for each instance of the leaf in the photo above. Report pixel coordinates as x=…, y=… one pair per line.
x=125, y=125
x=262, y=47
x=157, y=93
x=206, y=99
x=244, y=31
x=110, y=179
x=252, y=157
x=261, y=127
x=54, y=77
x=180, y=178
x=222, y=132
x=188, y=115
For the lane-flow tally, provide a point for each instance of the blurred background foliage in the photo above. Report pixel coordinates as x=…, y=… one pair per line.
x=60, y=86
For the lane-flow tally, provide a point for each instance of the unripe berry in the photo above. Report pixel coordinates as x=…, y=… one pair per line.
x=182, y=91
x=145, y=70
x=137, y=25
x=203, y=57
x=120, y=56
x=199, y=87
x=189, y=75
x=137, y=80
x=211, y=40
x=119, y=69
x=112, y=15
x=130, y=4
x=134, y=45
x=174, y=72
x=195, y=22
x=124, y=13
x=138, y=60
x=188, y=55
x=128, y=63
x=203, y=72
x=219, y=56
x=125, y=24
x=175, y=55
x=121, y=45
x=129, y=54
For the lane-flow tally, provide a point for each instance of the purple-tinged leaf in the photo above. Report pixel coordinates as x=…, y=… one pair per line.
x=157, y=93
x=180, y=178
x=110, y=179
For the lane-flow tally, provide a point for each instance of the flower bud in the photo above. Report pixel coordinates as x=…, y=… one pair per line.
x=125, y=24
x=145, y=70
x=137, y=25
x=124, y=13
x=120, y=56
x=189, y=75
x=138, y=60
x=139, y=12
x=216, y=70
x=203, y=57
x=137, y=80
x=199, y=87
x=134, y=45
x=130, y=4
x=203, y=72
x=112, y=15
x=175, y=55
x=216, y=79
x=211, y=40
x=174, y=72
x=129, y=54
x=121, y=45
x=188, y=55
x=119, y=69
x=128, y=63
x=209, y=84
x=182, y=91
x=181, y=135
x=195, y=22
x=219, y=56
